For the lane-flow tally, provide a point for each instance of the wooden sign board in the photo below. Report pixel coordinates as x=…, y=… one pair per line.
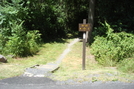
x=84, y=27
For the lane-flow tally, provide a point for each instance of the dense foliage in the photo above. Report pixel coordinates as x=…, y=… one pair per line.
x=113, y=47
x=118, y=13
x=23, y=22
x=14, y=37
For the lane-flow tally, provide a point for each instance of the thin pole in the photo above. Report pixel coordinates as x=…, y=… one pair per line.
x=84, y=51
x=84, y=47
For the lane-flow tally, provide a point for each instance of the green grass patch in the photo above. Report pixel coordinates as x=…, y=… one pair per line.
x=71, y=68
x=49, y=52
x=126, y=65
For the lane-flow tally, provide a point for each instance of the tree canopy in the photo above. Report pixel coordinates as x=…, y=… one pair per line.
x=58, y=18
x=119, y=14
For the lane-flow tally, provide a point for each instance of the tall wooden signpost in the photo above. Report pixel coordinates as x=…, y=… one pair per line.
x=84, y=27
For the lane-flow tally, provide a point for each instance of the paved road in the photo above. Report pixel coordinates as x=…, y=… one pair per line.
x=46, y=83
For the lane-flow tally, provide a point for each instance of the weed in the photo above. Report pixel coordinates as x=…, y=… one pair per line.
x=94, y=79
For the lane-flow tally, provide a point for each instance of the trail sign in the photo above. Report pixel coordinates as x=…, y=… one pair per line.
x=84, y=27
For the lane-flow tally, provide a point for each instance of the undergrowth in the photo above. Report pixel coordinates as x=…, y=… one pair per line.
x=126, y=65
x=15, y=39
x=113, y=48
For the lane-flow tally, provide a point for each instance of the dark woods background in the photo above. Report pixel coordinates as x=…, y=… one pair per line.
x=28, y=20
x=57, y=18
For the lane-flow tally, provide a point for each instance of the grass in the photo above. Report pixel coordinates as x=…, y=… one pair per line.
x=71, y=68
x=127, y=65
x=49, y=52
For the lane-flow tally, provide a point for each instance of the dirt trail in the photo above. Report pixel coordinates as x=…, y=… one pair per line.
x=45, y=70
x=66, y=51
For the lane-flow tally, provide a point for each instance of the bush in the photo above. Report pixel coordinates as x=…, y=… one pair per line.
x=32, y=42
x=21, y=42
x=114, y=47
x=14, y=38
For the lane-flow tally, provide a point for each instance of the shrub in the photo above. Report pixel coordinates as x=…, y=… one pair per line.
x=21, y=42
x=14, y=38
x=114, y=47
x=32, y=42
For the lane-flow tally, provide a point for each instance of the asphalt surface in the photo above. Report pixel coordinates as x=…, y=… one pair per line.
x=46, y=83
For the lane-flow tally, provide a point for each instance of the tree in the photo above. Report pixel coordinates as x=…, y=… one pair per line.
x=90, y=18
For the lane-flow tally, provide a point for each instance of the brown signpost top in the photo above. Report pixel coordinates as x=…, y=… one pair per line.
x=84, y=27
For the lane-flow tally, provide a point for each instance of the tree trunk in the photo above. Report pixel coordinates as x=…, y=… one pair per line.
x=90, y=19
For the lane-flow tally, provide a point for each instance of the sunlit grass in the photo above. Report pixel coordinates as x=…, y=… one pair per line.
x=71, y=68
x=49, y=52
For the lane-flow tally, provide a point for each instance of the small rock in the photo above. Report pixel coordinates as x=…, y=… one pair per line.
x=109, y=74
x=3, y=59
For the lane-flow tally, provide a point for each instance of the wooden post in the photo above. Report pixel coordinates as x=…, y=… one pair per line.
x=84, y=51
x=84, y=47
x=84, y=27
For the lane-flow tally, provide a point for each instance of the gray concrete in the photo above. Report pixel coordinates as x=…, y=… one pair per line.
x=40, y=70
